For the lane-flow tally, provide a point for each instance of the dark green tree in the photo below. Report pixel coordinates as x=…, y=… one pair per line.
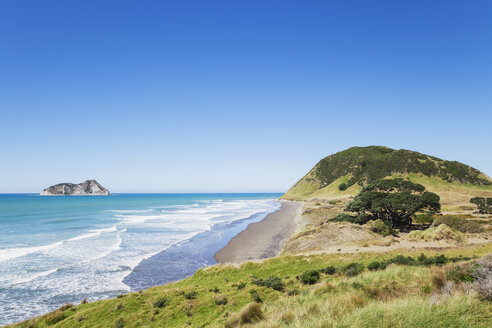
x=393, y=200
x=484, y=205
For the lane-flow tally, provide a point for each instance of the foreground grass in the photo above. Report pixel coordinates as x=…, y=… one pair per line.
x=399, y=296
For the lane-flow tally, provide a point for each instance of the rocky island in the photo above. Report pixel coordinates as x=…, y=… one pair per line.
x=88, y=187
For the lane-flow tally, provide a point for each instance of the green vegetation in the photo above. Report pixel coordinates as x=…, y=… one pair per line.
x=310, y=277
x=459, y=224
x=160, y=303
x=271, y=282
x=441, y=232
x=484, y=204
x=392, y=200
x=393, y=292
x=344, y=173
x=381, y=227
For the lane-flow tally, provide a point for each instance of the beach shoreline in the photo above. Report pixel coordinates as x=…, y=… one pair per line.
x=263, y=239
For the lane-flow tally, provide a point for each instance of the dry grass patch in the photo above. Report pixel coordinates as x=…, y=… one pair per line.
x=441, y=232
x=249, y=314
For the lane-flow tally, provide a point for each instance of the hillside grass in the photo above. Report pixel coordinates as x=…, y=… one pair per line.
x=455, y=182
x=394, y=296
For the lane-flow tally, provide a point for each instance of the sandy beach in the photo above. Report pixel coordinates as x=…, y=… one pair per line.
x=262, y=239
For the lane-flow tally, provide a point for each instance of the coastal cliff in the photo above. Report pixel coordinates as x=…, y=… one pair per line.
x=88, y=187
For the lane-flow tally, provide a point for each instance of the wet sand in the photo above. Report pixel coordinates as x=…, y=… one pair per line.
x=262, y=239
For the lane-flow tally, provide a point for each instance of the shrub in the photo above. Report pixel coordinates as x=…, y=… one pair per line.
x=256, y=297
x=441, y=232
x=342, y=186
x=54, y=317
x=400, y=259
x=459, y=224
x=310, y=277
x=436, y=260
x=344, y=218
x=293, y=292
x=361, y=219
x=353, y=269
x=271, y=282
x=190, y=295
x=426, y=289
x=381, y=227
x=220, y=299
x=460, y=274
x=484, y=205
x=120, y=323
x=241, y=286
x=373, y=266
x=425, y=218
x=160, y=303
x=329, y=270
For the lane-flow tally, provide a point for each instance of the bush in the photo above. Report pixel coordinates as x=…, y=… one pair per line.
x=256, y=297
x=120, y=323
x=344, y=218
x=425, y=218
x=460, y=274
x=459, y=224
x=293, y=292
x=160, y=303
x=381, y=227
x=190, y=295
x=353, y=269
x=310, y=277
x=241, y=286
x=220, y=299
x=329, y=270
x=54, y=317
x=400, y=259
x=361, y=219
x=373, y=266
x=271, y=282
x=343, y=186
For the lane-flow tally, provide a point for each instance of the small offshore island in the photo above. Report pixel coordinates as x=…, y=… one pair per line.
x=88, y=187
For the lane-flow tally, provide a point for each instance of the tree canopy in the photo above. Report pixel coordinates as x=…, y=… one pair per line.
x=484, y=205
x=393, y=200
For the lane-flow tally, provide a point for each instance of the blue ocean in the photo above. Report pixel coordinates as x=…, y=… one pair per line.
x=61, y=249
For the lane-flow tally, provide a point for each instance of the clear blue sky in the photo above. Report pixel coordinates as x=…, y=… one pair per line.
x=185, y=96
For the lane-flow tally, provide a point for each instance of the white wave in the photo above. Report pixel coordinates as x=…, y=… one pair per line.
x=94, y=233
x=34, y=276
x=113, y=248
x=132, y=211
x=12, y=253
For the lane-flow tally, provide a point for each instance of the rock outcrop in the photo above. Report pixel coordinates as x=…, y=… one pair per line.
x=89, y=187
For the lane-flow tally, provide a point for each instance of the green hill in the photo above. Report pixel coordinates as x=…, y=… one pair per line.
x=357, y=166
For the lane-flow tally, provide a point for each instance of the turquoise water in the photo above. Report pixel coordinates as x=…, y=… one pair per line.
x=55, y=250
